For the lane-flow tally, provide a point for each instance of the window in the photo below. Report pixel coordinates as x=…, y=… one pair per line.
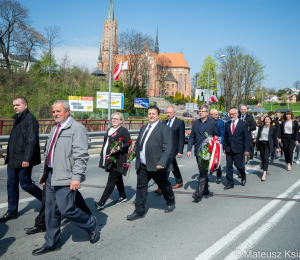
x=106, y=44
x=180, y=82
x=172, y=85
x=145, y=78
x=167, y=86
x=128, y=79
x=172, y=93
x=185, y=82
x=107, y=33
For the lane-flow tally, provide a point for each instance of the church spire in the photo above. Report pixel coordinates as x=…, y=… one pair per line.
x=156, y=49
x=111, y=11
x=100, y=55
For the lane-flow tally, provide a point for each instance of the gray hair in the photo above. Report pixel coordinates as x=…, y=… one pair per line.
x=236, y=110
x=65, y=103
x=172, y=107
x=204, y=106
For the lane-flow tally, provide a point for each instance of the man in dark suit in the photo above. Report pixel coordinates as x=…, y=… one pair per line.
x=251, y=127
x=199, y=128
x=236, y=146
x=154, y=146
x=178, y=137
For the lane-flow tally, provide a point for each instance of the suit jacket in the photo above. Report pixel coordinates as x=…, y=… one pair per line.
x=178, y=136
x=239, y=141
x=250, y=121
x=157, y=149
x=221, y=130
x=276, y=124
x=197, y=136
x=272, y=139
x=295, y=130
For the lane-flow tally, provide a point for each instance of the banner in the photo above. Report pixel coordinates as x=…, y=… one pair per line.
x=141, y=103
x=81, y=104
x=117, y=100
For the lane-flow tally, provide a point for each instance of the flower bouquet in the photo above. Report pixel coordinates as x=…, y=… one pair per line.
x=131, y=155
x=210, y=153
x=116, y=145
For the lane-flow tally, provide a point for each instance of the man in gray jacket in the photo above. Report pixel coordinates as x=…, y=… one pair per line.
x=65, y=162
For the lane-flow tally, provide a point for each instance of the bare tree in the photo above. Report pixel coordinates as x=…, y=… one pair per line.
x=296, y=84
x=162, y=71
x=13, y=17
x=134, y=46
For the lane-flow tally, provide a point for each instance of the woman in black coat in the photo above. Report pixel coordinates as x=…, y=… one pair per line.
x=289, y=134
x=116, y=170
x=266, y=142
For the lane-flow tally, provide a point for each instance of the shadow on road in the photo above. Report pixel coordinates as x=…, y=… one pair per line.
x=6, y=242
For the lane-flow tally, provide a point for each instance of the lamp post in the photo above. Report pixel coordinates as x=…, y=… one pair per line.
x=47, y=107
x=223, y=56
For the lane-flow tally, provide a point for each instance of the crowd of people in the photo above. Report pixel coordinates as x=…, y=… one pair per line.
x=157, y=148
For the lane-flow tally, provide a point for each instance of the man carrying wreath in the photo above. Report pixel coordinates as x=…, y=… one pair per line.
x=200, y=127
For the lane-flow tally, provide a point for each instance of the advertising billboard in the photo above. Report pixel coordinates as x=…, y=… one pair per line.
x=81, y=104
x=116, y=102
x=141, y=103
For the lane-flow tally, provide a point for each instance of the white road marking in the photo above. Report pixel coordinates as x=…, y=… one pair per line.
x=250, y=242
x=180, y=166
x=5, y=205
x=225, y=241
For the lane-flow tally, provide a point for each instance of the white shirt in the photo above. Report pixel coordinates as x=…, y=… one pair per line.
x=142, y=152
x=110, y=132
x=172, y=121
x=62, y=125
x=288, y=127
x=235, y=123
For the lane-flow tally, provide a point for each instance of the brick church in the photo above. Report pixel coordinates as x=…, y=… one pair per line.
x=165, y=73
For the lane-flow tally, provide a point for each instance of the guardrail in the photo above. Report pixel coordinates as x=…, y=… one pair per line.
x=93, y=136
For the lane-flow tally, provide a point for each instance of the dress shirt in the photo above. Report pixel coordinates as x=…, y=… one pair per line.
x=143, y=151
x=62, y=125
x=243, y=117
x=264, y=134
x=288, y=127
x=172, y=121
x=235, y=124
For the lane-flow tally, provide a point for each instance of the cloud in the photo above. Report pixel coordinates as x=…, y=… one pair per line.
x=82, y=55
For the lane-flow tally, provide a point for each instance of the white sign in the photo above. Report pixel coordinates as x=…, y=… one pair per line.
x=203, y=94
x=191, y=106
x=81, y=104
x=117, y=100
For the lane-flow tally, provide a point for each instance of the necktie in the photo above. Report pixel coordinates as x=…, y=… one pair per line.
x=143, y=139
x=169, y=124
x=52, y=144
x=233, y=127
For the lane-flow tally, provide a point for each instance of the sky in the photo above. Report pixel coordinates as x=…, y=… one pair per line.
x=269, y=29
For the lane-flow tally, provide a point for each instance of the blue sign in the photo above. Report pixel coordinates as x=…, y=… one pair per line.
x=224, y=114
x=141, y=103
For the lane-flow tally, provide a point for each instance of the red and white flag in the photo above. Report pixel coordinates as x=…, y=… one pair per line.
x=259, y=105
x=119, y=68
x=213, y=98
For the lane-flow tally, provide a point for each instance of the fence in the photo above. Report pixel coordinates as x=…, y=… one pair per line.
x=91, y=125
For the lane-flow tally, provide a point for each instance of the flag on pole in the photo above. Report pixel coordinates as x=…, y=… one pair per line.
x=259, y=105
x=213, y=98
x=119, y=68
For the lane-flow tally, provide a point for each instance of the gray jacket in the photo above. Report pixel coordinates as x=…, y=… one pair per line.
x=70, y=155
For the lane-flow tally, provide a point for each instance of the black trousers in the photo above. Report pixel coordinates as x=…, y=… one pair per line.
x=252, y=145
x=79, y=202
x=264, y=153
x=115, y=178
x=176, y=172
x=160, y=178
x=288, y=147
x=239, y=162
x=203, y=180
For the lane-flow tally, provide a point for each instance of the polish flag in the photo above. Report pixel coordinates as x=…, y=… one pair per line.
x=213, y=98
x=259, y=105
x=119, y=68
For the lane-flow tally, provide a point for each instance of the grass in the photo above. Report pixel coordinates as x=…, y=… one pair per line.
x=293, y=106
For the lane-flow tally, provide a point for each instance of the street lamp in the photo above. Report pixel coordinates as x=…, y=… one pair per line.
x=223, y=56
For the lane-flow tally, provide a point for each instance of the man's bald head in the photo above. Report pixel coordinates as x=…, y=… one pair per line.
x=213, y=114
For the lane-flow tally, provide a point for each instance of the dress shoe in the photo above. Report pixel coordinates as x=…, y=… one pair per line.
x=239, y=176
x=42, y=250
x=219, y=180
x=94, y=234
x=99, y=205
x=206, y=192
x=158, y=191
x=170, y=208
x=272, y=160
x=243, y=182
x=34, y=230
x=195, y=197
x=229, y=186
x=135, y=215
x=177, y=186
x=7, y=216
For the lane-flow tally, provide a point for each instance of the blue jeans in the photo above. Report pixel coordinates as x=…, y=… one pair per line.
x=22, y=176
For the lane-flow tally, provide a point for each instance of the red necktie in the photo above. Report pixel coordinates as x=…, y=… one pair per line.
x=233, y=127
x=51, y=146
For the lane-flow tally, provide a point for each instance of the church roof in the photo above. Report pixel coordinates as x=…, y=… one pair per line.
x=177, y=59
x=98, y=73
x=170, y=77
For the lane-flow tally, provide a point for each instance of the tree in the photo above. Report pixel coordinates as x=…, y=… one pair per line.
x=194, y=83
x=260, y=92
x=298, y=97
x=296, y=84
x=162, y=70
x=280, y=92
x=284, y=99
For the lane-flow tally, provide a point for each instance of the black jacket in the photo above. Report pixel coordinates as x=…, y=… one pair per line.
x=178, y=136
x=23, y=144
x=251, y=123
x=276, y=124
x=295, y=130
x=272, y=138
x=121, y=156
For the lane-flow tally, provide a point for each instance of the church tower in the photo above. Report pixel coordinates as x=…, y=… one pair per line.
x=108, y=32
x=156, y=49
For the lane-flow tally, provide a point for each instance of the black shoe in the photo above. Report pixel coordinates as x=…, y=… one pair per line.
x=99, y=205
x=195, y=197
x=34, y=230
x=94, y=234
x=219, y=180
x=135, y=216
x=272, y=160
x=276, y=157
x=170, y=208
x=42, y=250
x=206, y=192
x=243, y=182
x=7, y=216
x=229, y=186
x=239, y=176
x=261, y=166
x=120, y=200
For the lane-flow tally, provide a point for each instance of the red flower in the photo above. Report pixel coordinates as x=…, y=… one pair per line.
x=121, y=138
x=210, y=150
x=130, y=141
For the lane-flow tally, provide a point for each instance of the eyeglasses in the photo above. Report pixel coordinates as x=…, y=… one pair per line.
x=203, y=111
x=115, y=118
x=232, y=114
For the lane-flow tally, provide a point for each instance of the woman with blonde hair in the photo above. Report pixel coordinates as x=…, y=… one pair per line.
x=116, y=169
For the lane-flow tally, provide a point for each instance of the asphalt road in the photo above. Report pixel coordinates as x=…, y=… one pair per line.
x=258, y=220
